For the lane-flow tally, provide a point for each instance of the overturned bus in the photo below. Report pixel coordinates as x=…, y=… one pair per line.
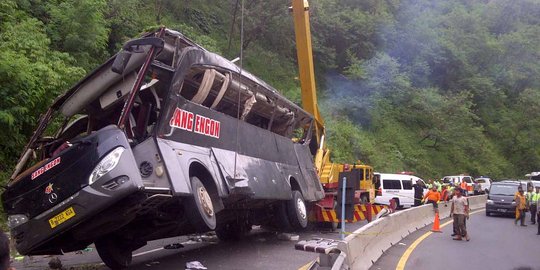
x=164, y=139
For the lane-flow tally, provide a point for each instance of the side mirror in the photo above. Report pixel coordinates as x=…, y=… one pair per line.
x=134, y=46
x=121, y=61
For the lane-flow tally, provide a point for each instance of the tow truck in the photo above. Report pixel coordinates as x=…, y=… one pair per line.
x=329, y=172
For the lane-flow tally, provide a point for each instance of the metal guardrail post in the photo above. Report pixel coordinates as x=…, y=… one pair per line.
x=343, y=208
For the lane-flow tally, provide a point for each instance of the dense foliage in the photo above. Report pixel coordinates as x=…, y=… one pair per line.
x=433, y=86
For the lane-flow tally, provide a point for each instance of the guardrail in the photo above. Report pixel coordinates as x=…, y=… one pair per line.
x=367, y=244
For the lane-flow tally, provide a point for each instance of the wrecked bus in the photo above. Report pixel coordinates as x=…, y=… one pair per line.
x=164, y=139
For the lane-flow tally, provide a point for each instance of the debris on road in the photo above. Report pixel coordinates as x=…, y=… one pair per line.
x=55, y=263
x=88, y=249
x=402, y=244
x=288, y=236
x=195, y=265
x=173, y=246
x=209, y=237
x=189, y=242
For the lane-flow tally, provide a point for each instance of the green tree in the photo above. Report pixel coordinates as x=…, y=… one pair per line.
x=31, y=76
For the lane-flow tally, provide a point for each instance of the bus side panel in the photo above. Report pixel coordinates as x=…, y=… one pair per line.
x=314, y=190
x=255, y=178
x=179, y=156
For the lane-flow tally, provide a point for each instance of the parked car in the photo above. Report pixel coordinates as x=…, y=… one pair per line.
x=398, y=187
x=500, y=199
x=484, y=182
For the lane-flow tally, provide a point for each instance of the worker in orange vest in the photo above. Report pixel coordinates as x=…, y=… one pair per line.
x=444, y=193
x=433, y=197
x=464, y=187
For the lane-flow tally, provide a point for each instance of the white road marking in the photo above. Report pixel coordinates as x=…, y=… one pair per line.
x=147, y=252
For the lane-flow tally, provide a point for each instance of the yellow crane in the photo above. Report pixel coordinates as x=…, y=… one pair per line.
x=327, y=170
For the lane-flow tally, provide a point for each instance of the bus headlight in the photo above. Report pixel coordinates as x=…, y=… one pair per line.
x=16, y=220
x=489, y=201
x=107, y=164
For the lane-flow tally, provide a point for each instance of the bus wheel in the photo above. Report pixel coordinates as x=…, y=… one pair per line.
x=113, y=252
x=297, y=211
x=200, y=208
x=280, y=219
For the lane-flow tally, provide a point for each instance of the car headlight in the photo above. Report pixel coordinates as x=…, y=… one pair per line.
x=489, y=201
x=16, y=220
x=107, y=164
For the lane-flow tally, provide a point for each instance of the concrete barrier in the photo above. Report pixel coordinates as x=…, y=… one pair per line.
x=367, y=244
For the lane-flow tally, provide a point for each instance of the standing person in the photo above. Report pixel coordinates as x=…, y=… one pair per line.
x=521, y=205
x=418, y=192
x=537, y=199
x=438, y=184
x=477, y=188
x=433, y=197
x=531, y=201
x=460, y=211
x=444, y=194
x=429, y=183
x=463, y=186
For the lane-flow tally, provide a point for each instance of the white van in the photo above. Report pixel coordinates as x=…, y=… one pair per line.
x=484, y=182
x=398, y=187
x=457, y=179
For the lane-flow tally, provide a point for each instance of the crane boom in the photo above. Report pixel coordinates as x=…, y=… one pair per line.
x=328, y=171
x=304, y=53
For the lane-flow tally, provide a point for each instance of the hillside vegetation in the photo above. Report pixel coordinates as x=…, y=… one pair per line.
x=432, y=86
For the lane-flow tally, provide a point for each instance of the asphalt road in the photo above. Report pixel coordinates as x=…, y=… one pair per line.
x=496, y=243
x=261, y=249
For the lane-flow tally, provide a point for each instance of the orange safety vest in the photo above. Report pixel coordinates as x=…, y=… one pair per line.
x=445, y=195
x=464, y=185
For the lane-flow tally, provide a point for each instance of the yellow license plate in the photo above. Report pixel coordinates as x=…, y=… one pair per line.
x=62, y=217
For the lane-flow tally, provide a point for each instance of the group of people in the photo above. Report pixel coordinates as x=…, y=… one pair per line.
x=437, y=191
x=527, y=202
x=459, y=210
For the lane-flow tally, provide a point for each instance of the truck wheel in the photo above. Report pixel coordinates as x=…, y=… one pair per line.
x=398, y=206
x=200, y=208
x=113, y=253
x=296, y=211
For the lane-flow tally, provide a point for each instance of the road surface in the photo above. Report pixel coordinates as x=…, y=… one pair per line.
x=261, y=249
x=496, y=243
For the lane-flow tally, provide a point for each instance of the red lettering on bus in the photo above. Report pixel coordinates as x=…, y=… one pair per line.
x=196, y=123
x=45, y=168
x=183, y=123
x=190, y=122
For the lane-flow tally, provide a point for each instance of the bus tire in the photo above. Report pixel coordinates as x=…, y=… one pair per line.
x=200, y=208
x=113, y=252
x=297, y=211
x=280, y=219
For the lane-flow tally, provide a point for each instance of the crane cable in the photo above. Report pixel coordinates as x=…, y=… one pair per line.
x=240, y=83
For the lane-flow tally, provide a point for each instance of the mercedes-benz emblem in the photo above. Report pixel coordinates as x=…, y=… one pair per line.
x=53, y=197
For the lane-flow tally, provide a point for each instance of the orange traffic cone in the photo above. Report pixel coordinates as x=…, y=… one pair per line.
x=436, y=225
